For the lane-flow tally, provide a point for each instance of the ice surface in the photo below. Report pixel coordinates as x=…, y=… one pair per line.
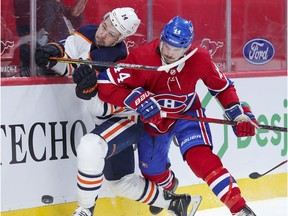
x=271, y=207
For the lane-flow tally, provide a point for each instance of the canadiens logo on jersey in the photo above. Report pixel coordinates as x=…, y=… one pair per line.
x=175, y=103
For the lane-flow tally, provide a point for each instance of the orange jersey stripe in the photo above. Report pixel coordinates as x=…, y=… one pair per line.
x=150, y=194
x=89, y=182
x=105, y=136
x=81, y=35
x=119, y=110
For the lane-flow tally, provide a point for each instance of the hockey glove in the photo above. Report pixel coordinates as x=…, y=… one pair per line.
x=43, y=53
x=86, y=79
x=143, y=103
x=246, y=122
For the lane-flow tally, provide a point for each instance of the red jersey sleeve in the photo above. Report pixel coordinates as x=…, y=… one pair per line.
x=110, y=87
x=115, y=84
x=217, y=83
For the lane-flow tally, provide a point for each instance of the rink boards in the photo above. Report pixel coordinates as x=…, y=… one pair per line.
x=266, y=187
x=42, y=124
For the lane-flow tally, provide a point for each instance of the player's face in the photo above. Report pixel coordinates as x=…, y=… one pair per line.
x=171, y=54
x=106, y=34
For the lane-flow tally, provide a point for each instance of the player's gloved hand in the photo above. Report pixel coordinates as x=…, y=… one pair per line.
x=43, y=53
x=246, y=122
x=143, y=103
x=86, y=79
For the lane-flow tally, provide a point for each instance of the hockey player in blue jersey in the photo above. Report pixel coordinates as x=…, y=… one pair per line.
x=110, y=143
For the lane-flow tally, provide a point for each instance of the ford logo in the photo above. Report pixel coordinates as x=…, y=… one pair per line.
x=258, y=51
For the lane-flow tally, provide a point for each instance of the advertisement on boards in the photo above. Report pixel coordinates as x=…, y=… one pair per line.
x=42, y=124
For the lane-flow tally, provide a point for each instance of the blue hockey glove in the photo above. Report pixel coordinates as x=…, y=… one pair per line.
x=86, y=79
x=143, y=103
x=43, y=53
x=246, y=122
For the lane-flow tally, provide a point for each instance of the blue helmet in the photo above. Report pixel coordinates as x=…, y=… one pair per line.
x=178, y=32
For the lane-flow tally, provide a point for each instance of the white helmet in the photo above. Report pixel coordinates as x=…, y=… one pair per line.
x=125, y=20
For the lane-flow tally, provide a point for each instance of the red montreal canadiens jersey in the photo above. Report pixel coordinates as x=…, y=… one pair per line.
x=174, y=90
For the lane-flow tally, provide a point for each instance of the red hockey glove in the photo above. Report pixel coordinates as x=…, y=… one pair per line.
x=86, y=79
x=143, y=103
x=246, y=122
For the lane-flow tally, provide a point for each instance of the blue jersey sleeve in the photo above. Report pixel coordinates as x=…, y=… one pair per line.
x=108, y=54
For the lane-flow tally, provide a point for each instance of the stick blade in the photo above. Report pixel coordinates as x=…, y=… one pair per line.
x=254, y=175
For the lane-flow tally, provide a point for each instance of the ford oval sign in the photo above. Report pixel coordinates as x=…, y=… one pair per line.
x=258, y=51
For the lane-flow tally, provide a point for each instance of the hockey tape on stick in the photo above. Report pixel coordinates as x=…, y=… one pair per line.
x=256, y=175
x=126, y=65
x=218, y=121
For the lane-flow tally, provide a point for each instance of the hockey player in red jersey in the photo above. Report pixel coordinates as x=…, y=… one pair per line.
x=110, y=143
x=152, y=94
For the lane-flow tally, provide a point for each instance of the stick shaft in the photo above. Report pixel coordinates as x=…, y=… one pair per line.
x=105, y=64
x=221, y=121
x=283, y=162
x=256, y=175
x=126, y=65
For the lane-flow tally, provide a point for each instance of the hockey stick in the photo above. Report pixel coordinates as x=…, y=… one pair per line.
x=219, y=121
x=22, y=40
x=256, y=175
x=126, y=65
